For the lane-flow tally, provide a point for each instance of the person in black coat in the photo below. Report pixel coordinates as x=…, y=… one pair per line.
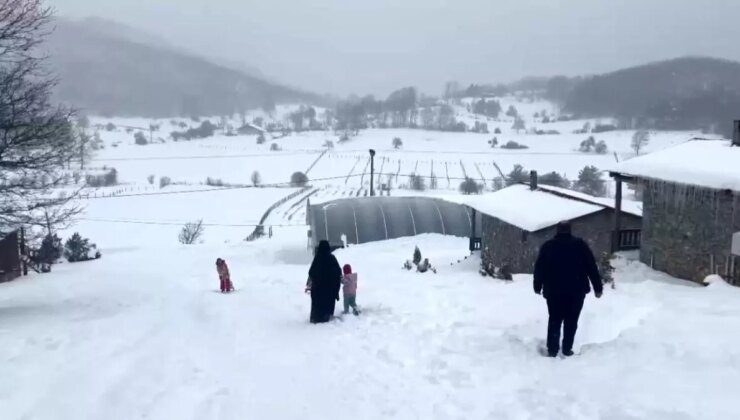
x=325, y=278
x=562, y=273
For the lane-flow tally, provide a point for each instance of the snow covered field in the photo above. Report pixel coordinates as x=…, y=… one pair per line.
x=142, y=334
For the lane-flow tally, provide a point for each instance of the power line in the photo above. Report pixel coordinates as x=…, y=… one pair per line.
x=227, y=188
x=193, y=157
x=162, y=223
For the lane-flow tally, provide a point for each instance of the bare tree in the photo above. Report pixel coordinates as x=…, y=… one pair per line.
x=37, y=137
x=639, y=140
x=191, y=232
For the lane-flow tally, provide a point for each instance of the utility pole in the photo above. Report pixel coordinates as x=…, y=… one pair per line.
x=372, y=172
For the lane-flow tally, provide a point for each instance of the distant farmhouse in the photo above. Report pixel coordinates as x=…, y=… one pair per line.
x=517, y=220
x=691, y=207
x=251, y=129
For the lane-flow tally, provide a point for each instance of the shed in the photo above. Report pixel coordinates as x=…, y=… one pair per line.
x=691, y=206
x=11, y=266
x=517, y=220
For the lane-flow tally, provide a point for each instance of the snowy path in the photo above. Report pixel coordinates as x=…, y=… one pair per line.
x=143, y=334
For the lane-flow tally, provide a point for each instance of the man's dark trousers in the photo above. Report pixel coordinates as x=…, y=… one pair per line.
x=564, y=311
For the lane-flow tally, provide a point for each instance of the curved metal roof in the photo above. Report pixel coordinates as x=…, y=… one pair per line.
x=369, y=219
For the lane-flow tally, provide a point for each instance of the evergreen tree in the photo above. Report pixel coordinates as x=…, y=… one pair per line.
x=554, y=179
x=469, y=186
x=518, y=125
x=590, y=182
x=78, y=248
x=51, y=249
x=417, y=256
x=517, y=175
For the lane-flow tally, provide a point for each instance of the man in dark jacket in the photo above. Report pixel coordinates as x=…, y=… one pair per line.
x=562, y=273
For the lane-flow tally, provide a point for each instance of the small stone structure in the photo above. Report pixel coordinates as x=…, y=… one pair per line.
x=688, y=230
x=508, y=240
x=691, y=208
x=506, y=244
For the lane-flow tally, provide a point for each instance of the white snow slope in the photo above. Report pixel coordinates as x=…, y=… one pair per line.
x=143, y=334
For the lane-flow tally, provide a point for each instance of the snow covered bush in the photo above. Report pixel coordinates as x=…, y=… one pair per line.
x=274, y=147
x=256, y=178
x=214, y=182
x=261, y=138
x=106, y=179
x=497, y=131
x=416, y=182
x=78, y=249
x=512, y=145
x=493, y=142
x=50, y=251
x=150, y=179
x=191, y=232
x=205, y=130
x=140, y=139
x=554, y=179
x=603, y=128
x=498, y=183
x=601, y=147
x=397, y=143
x=517, y=175
x=587, y=145
x=298, y=179
x=469, y=186
x=164, y=181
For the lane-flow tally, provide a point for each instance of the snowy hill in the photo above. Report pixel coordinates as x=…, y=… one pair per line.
x=106, y=68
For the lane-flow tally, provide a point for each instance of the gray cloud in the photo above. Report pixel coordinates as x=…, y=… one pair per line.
x=361, y=46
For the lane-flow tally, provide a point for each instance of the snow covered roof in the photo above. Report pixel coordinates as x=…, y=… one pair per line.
x=531, y=210
x=628, y=206
x=707, y=163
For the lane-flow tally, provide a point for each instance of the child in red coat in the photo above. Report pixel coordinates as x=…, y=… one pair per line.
x=224, y=276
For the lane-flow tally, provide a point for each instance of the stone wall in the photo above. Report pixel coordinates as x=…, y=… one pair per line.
x=688, y=230
x=503, y=243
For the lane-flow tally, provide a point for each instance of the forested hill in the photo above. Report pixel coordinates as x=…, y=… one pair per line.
x=684, y=93
x=123, y=73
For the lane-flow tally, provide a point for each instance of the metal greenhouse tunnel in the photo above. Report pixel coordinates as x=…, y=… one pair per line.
x=369, y=219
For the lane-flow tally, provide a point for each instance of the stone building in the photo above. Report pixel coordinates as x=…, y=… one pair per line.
x=691, y=207
x=517, y=220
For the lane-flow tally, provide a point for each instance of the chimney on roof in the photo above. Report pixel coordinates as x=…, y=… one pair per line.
x=533, y=180
x=736, y=133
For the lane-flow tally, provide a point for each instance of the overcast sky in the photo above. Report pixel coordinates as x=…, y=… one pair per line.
x=375, y=46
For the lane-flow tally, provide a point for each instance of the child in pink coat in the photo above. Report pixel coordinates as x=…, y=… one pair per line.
x=349, y=287
x=224, y=276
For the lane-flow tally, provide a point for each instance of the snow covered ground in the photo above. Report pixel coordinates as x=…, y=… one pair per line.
x=143, y=334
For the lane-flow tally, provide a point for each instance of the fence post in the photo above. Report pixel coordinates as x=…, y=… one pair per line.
x=24, y=266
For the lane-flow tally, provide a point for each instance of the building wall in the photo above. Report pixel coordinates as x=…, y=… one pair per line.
x=503, y=243
x=688, y=229
x=10, y=261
